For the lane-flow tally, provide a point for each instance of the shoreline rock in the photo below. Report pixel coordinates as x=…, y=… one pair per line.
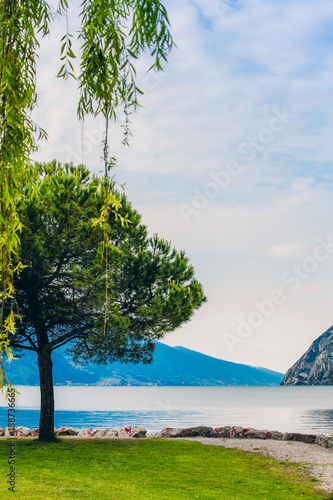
x=136, y=432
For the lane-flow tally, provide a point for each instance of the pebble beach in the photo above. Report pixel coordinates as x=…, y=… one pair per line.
x=319, y=460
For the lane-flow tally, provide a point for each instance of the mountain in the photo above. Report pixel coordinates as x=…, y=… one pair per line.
x=171, y=366
x=315, y=367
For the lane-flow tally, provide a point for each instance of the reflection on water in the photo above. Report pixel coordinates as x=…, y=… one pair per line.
x=305, y=421
x=286, y=409
x=319, y=420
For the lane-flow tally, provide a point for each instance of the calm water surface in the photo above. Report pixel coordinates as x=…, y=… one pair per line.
x=293, y=409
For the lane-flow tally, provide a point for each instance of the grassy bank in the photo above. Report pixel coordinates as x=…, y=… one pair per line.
x=147, y=470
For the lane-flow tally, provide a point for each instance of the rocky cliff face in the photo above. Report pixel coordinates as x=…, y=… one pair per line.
x=315, y=367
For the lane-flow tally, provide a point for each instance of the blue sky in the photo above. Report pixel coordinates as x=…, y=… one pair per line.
x=231, y=160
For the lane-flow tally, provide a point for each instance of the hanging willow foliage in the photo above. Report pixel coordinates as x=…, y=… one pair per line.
x=20, y=22
x=113, y=33
x=107, y=78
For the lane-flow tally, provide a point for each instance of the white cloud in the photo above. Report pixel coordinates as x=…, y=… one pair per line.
x=236, y=63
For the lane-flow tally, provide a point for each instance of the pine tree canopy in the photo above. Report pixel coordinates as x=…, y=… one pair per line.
x=61, y=293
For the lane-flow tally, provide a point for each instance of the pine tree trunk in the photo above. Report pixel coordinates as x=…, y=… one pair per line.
x=46, y=422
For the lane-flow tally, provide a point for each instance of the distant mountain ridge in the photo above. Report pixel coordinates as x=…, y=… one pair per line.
x=315, y=367
x=173, y=366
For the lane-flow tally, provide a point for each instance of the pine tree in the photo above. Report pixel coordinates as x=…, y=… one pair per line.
x=150, y=287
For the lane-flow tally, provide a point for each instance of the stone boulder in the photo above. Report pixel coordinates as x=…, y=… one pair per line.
x=251, y=433
x=17, y=432
x=278, y=436
x=325, y=440
x=288, y=436
x=200, y=430
x=2, y=431
x=170, y=432
x=152, y=435
x=112, y=433
x=236, y=431
x=101, y=433
x=86, y=432
x=125, y=432
x=303, y=438
x=67, y=431
x=138, y=432
x=222, y=432
x=98, y=433
x=307, y=438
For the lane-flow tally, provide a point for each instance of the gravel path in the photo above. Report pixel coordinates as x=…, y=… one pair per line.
x=318, y=459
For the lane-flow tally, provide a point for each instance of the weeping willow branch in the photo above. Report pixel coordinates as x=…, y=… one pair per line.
x=19, y=24
x=107, y=78
x=111, y=206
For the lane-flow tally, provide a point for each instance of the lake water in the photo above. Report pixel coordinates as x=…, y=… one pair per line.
x=287, y=408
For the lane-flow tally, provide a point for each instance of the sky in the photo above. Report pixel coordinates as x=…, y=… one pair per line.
x=230, y=160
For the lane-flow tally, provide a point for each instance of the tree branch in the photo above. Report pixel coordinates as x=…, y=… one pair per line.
x=20, y=346
x=65, y=338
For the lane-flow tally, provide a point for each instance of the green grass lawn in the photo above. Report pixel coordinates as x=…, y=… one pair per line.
x=148, y=470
